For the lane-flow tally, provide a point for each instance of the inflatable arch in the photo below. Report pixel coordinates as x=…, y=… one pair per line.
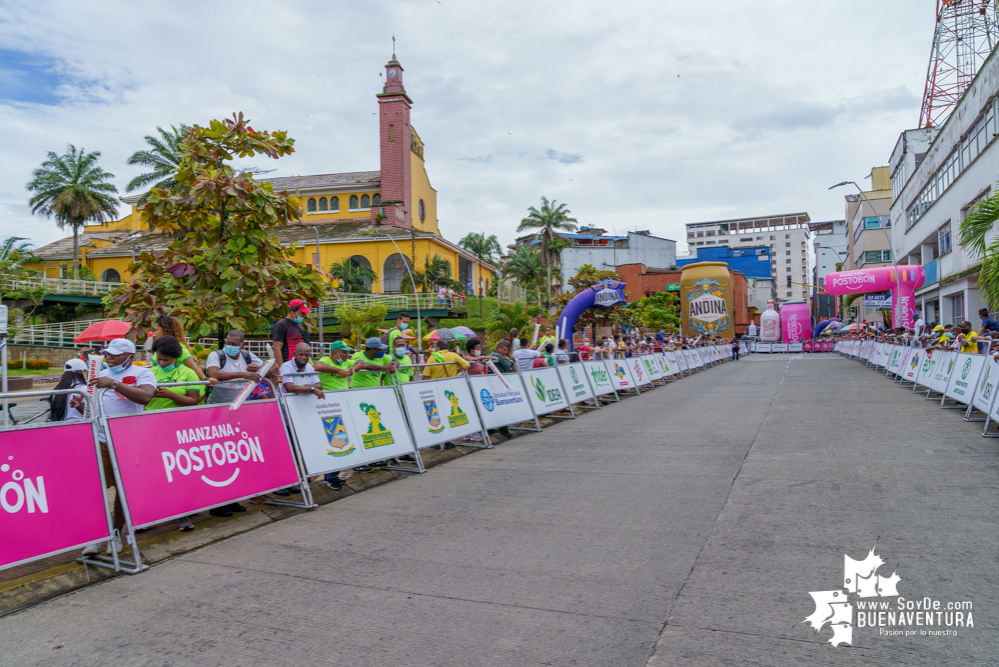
x=605, y=294
x=903, y=286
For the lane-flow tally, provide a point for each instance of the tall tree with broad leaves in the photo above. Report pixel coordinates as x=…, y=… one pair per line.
x=75, y=190
x=229, y=271
x=354, y=278
x=485, y=248
x=550, y=219
x=975, y=230
x=162, y=158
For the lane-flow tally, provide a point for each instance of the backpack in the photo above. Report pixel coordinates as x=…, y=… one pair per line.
x=225, y=357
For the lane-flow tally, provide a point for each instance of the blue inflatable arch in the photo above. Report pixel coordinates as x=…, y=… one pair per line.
x=605, y=294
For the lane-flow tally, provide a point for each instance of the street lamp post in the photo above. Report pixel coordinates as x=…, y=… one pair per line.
x=419, y=321
x=891, y=250
x=839, y=254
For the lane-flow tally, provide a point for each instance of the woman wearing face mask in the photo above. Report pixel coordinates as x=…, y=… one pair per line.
x=170, y=326
x=72, y=377
x=473, y=355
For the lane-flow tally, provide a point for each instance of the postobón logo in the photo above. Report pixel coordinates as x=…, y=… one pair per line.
x=833, y=607
x=220, y=453
x=22, y=493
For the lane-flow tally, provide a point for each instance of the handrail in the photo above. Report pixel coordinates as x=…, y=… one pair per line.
x=63, y=285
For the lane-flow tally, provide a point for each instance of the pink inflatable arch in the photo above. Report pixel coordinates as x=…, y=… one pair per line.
x=864, y=281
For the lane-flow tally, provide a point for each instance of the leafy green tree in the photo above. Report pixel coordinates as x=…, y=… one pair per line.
x=550, y=219
x=659, y=311
x=162, y=158
x=436, y=272
x=976, y=237
x=524, y=266
x=360, y=320
x=354, y=278
x=75, y=190
x=228, y=271
x=512, y=316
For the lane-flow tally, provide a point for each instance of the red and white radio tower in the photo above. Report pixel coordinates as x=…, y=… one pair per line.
x=965, y=34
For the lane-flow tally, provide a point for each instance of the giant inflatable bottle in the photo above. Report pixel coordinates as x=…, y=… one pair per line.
x=796, y=321
x=770, y=324
x=706, y=303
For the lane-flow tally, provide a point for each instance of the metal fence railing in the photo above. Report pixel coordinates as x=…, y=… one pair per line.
x=61, y=286
x=58, y=334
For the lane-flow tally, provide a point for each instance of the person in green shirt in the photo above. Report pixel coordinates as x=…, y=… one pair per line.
x=406, y=370
x=168, y=370
x=371, y=358
x=402, y=323
x=336, y=368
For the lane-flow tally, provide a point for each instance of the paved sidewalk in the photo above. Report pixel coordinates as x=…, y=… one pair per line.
x=685, y=526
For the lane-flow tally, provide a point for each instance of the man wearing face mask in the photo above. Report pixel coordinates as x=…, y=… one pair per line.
x=373, y=357
x=130, y=389
x=288, y=332
x=401, y=356
x=401, y=325
x=233, y=367
x=301, y=384
x=336, y=368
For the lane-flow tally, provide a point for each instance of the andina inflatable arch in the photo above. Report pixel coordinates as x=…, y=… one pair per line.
x=864, y=281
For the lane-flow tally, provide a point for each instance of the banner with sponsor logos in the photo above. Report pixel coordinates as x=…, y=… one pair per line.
x=764, y=347
x=620, y=374
x=599, y=376
x=912, y=364
x=946, y=360
x=177, y=462
x=652, y=367
x=795, y=347
x=778, y=347
x=638, y=371
x=51, y=495
x=575, y=382
x=501, y=404
x=928, y=367
x=544, y=390
x=440, y=410
x=671, y=365
x=681, y=361
x=964, y=377
x=987, y=380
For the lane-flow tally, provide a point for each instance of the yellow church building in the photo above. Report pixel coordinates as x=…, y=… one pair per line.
x=384, y=219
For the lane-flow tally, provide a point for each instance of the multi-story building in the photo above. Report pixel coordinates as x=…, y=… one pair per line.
x=830, y=250
x=751, y=261
x=938, y=175
x=868, y=237
x=786, y=235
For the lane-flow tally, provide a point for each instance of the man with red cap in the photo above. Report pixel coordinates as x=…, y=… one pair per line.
x=288, y=332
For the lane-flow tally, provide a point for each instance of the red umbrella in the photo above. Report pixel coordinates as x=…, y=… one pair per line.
x=106, y=330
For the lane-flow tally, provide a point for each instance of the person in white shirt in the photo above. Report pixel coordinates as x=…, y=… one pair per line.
x=233, y=367
x=525, y=356
x=562, y=352
x=301, y=384
x=130, y=388
x=919, y=325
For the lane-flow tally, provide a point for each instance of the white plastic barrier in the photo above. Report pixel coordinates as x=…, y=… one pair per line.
x=671, y=364
x=348, y=428
x=652, y=366
x=897, y=356
x=945, y=362
x=985, y=391
x=681, y=361
x=912, y=364
x=501, y=404
x=927, y=368
x=574, y=379
x=778, y=347
x=545, y=390
x=620, y=374
x=964, y=377
x=440, y=410
x=795, y=347
x=764, y=347
x=636, y=365
x=600, y=377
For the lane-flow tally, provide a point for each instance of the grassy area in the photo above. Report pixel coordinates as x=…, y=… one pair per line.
x=33, y=371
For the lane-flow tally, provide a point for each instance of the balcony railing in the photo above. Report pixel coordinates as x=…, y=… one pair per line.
x=396, y=302
x=61, y=286
x=59, y=334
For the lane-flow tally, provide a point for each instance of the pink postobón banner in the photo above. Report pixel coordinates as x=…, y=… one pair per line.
x=179, y=462
x=51, y=495
x=807, y=346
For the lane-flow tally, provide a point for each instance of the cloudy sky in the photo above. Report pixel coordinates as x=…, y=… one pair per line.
x=637, y=114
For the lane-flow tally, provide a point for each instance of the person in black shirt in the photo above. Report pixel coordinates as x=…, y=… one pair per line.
x=288, y=332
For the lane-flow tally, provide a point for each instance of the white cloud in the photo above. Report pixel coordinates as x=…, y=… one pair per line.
x=636, y=114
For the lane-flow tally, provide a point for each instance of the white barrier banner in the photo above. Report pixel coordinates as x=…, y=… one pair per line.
x=599, y=377
x=946, y=361
x=544, y=390
x=928, y=367
x=795, y=347
x=574, y=381
x=986, y=389
x=499, y=405
x=904, y=363
x=764, y=347
x=964, y=377
x=752, y=346
x=743, y=348
x=886, y=352
x=440, y=410
x=348, y=428
x=912, y=364
x=895, y=362
x=778, y=347
x=638, y=370
x=681, y=361
x=670, y=364
x=619, y=374
x=694, y=358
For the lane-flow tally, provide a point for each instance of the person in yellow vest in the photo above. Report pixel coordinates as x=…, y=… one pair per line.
x=442, y=355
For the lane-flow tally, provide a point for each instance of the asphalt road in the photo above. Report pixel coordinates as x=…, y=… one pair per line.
x=686, y=526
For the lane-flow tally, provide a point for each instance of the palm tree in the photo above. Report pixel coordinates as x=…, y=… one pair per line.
x=438, y=271
x=484, y=248
x=353, y=277
x=74, y=189
x=975, y=230
x=162, y=158
x=524, y=266
x=413, y=280
x=552, y=218
x=16, y=253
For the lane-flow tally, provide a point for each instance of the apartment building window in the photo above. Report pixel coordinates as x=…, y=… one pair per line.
x=788, y=261
x=789, y=281
x=876, y=256
x=746, y=240
x=872, y=222
x=772, y=238
x=787, y=236
x=787, y=245
x=710, y=242
x=956, y=308
x=787, y=252
x=700, y=234
x=709, y=233
x=943, y=238
x=789, y=294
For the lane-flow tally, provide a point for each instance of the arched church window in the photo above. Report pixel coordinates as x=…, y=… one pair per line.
x=376, y=199
x=423, y=211
x=111, y=276
x=310, y=206
x=393, y=272
x=365, y=201
x=335, y=204
x=322, y=203
x=353, y=202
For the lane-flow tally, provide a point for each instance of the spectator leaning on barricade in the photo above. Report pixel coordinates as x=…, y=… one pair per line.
x=989, y=326
x=525, y=356
x=288, y=332
x=501, y=357
x=562, y=354
x=170, y=326
x=336, y=368
x=474, y=357
x=966, y=338
x=400, y=355
x=232, y=367
x=547, y=354
x=72, y=377
x=130, y=389
x=299, y=384
x=442, y=355
x=401, y=325
x=167, y=370
x=375, y=359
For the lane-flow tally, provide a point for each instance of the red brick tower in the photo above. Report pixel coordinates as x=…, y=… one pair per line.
x=394, y=105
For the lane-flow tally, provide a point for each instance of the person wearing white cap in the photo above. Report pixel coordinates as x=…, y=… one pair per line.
x=131, y=388
x=72, y=377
